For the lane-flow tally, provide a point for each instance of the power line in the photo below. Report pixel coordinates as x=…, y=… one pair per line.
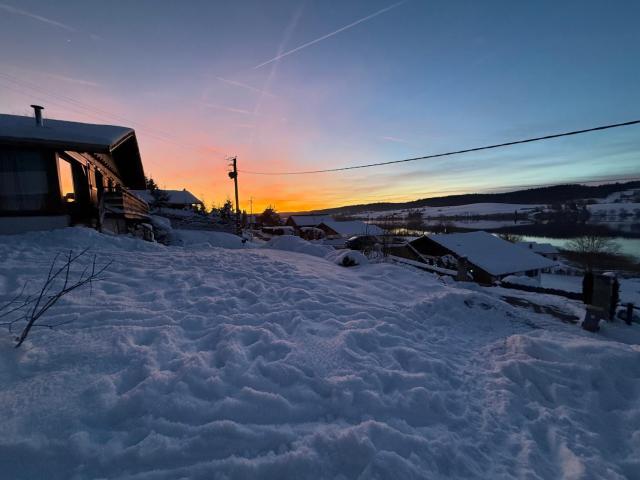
x=456, y=152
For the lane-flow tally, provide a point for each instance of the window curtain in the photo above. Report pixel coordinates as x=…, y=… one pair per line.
x=24, y=181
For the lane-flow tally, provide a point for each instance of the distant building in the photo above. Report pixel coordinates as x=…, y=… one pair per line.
x=347, y=229
x=545, y=249
x=489, y=258
x=55, y=173
x=175, y=199
x=300, y=221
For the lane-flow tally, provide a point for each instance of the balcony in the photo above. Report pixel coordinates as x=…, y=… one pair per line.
x=120, y=203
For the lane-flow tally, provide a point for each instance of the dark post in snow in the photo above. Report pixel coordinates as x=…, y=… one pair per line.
x=602, y=302
x=463, y=268
x=234, y=176
x=629, y=314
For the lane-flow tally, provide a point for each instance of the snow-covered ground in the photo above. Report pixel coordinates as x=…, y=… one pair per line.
x=203, y=362
x=464, y=210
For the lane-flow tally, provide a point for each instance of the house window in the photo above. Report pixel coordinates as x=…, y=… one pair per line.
x=24, y=180
x=67, y=188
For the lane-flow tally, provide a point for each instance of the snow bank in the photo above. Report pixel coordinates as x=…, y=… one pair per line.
x=207, y=238
x=258, y=363
x=347, y=258
x=522, y=280
x=570, y=406
x=291, y=243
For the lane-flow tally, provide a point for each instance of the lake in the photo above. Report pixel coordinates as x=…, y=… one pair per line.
x=626, y=236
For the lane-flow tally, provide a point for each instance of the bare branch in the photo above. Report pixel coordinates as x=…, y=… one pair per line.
x=49, y=295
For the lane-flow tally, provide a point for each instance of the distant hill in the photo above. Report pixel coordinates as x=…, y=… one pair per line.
x=541, y=195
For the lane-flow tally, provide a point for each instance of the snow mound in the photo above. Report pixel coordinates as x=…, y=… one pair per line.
x=574, y=400
x=347, y=258
x=77, y=238
x=291, y=243
x=522, y=280
x=206, y=238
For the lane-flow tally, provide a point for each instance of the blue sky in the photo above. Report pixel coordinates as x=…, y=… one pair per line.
x=406, y=79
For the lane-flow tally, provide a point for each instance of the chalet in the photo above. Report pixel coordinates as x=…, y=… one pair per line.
x=174, y=199
x=56, y=173
x=545, y=249
x=489, y=258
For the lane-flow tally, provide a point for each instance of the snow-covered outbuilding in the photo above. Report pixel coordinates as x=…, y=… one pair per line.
x=311, y=233
x=545, y=249
x=300, y=221
x=490, y=258
x=56, y=173
x=346, y=229
x=175, y=199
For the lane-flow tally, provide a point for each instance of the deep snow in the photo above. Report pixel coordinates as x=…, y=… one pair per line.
x=206, y=362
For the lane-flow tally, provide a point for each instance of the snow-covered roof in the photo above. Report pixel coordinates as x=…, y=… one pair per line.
x=176, y=197
x=492, y=254
x=60, y=135
x=352, y=227
x=308, y=220
x=63, y=134
x=541, y=248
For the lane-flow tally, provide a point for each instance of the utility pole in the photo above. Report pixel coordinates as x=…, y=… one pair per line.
x=251, y=212
x=234, y=176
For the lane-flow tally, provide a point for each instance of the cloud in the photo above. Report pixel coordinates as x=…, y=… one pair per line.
x=40, y=18
x=329, y=35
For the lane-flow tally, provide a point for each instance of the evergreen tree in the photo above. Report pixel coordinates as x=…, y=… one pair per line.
x=269, y=217
x=226, y=212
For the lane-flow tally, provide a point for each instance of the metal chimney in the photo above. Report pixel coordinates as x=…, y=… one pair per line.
x=37, y=110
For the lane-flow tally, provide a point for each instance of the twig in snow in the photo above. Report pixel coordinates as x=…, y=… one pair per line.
x=39, y=304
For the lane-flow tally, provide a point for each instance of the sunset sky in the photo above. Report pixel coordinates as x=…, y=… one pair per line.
x=290, y=85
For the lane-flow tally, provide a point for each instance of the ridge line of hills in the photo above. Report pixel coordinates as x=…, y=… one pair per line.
x=532, y=196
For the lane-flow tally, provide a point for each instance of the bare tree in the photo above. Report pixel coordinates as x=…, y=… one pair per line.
x=60, y=281
x=589, y=247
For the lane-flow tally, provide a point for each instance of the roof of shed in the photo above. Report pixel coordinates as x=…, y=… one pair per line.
x=353, y=227
x=182, y=197
x=308, y=220
x=492, y=254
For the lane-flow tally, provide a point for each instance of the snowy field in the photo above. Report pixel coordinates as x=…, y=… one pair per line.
x=464, y=210
x=204, y=362
x=614, y=209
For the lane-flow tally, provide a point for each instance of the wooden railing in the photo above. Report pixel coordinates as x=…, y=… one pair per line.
x=122, y=203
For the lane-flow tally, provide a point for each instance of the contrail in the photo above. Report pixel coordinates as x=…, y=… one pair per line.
x=40, y=18
x=245, y=86
x=328, y=35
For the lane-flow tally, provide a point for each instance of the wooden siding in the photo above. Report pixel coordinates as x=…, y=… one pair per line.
x=120, y=203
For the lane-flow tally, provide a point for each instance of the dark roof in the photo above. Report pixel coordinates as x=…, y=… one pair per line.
x=119, y=142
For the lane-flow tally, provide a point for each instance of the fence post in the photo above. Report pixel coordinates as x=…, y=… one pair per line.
x=462, y=270
x=629, y=316
x=603, y=293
